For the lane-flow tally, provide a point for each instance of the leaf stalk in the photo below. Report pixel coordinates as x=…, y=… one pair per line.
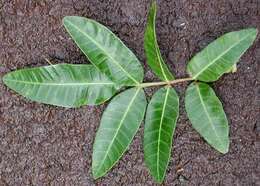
x=144, y=85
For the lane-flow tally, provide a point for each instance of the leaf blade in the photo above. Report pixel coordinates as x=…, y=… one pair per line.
x=220, y=55
x=160, y=122
x=119, y=123
x=207, y=116
x=64, y=85
x=105, y=50
x=152, y=50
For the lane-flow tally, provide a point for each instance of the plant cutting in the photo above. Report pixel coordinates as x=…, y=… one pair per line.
x=116, y=74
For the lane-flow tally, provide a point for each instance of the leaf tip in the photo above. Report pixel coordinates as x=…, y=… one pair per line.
x=5, y=79
x=95, y=173
x=154, y=3
x=255, y=32
x=159, y=180
x=224, y=148
x=153, y=7
x=223, y=151
x=68, y=19
x=252, y=31
x=65, y=19
x=95, y=176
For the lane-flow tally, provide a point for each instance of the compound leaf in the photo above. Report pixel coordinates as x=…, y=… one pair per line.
x=160, y=122
x=207, y=116
x=152, y=51
x=219, y=56
x=62, y=85
x=105, y=50
x=119, y=124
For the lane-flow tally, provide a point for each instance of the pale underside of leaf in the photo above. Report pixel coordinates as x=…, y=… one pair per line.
x=105, y=50
x=207, y=116
x=160, y=123
x=119, y=124
x=152, y=50
x=219, y=56
x=62, y=85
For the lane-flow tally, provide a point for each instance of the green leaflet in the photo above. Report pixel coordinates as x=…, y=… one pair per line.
x=207, y=115
x=63, y=85
x=160, y=123
x=104, y=50
x=219, y=56
x=152, y=51
x=119, y=124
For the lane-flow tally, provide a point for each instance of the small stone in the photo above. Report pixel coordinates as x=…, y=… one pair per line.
x=179, y=23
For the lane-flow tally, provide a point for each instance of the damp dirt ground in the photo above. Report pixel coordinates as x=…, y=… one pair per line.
x=47, y=145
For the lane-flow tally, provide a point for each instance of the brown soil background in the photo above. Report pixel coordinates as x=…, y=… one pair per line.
x=47, y=145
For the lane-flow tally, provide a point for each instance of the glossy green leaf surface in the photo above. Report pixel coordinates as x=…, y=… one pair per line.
x=62, y=85
x=119, y=124
x=160, y=123
x=105, y=50
x=207, y=116
x=219, y=56
x=152, y=51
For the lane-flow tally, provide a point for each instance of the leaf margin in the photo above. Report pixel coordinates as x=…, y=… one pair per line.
x=196, y=85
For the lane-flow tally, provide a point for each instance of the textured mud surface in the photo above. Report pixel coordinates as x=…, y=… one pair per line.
x=46, y=145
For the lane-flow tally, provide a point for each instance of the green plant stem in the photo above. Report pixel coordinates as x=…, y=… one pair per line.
x=143, y=85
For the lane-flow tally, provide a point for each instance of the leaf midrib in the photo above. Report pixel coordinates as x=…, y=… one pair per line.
x=101, y=48
x=57, y=84
x=159, y=136
x=220, y=56
x=207, y=114
x=117, y=131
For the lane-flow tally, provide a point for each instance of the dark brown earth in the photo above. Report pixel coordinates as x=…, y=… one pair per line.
x=47, y=145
